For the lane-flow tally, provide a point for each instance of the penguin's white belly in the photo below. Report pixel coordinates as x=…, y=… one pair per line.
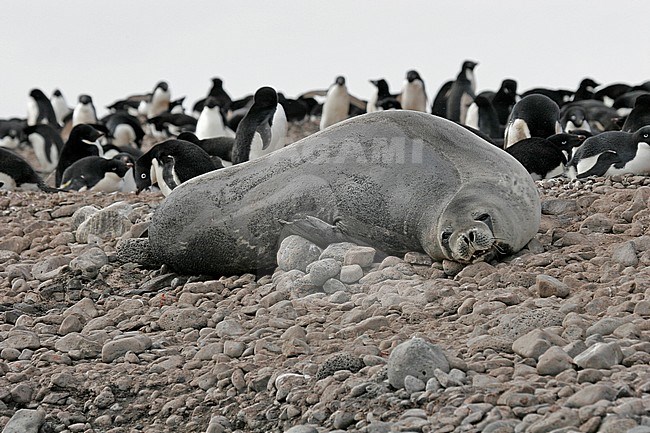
x=47, y=162
x=129, y=182
x=335, y=109
x=123, y=135
x=640, y=165
x=8, y=182
x=83, y=114
x=371, y=106
x=111, y=182
x=158, y=169
x=413, y=97
x=9, y=142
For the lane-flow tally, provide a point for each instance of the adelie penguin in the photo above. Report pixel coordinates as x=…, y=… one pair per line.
x=639, y=116
x=533, y=116
x=15, y=172
x=47, y=145
x=379, y=96
x=505, y=99
x=613, y=152
x=124, y=129
x=81, y=143
x=60, y=106
x=336, y=105
x=84, y=111
x=413, y=95
x=462, y=93
x=261, y=119
x=11, y=132
x=545, y=158
x=39, y=109
x=170, y=163
x=211, y=122
x=160, y=100
x=94, y=173
x=216, y=91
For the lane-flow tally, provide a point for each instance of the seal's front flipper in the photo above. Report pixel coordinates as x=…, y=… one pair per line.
x=316, y=231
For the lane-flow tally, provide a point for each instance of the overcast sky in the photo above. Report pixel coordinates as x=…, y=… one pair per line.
x=111, y=49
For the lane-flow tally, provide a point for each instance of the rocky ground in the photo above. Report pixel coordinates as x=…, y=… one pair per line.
x=553, y=339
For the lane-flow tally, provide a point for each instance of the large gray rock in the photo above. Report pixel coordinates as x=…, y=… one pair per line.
x=600, y=355
x=25, y=421
x=415, y=357
x=296, y=252
x=115, y=348
x=89, y=262
x=175, y=319
x=322, y=270
x=109, y=223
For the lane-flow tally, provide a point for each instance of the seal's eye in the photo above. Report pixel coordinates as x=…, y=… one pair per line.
x=483, y=217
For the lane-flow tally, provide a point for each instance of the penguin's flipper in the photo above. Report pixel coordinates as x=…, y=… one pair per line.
x=359, y=103
x=313, y=229
x=264, y=129
x=603, y=163
x=168, y=171
x=313, y=93
x=46, y=188
x=73, y=184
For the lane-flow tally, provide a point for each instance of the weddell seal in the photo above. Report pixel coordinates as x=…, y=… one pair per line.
x=399, y=181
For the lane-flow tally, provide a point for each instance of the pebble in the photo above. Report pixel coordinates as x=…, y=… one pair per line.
x=350, y=274
x=296, y=252
x=415, y=357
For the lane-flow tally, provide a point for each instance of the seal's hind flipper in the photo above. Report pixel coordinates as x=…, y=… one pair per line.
x=315, y=230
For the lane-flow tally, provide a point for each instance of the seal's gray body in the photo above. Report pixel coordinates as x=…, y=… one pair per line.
x=388, y=179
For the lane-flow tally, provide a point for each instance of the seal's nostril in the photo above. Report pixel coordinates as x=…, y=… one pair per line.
x=471, y=236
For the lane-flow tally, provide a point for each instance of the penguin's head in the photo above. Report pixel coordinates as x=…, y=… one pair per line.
x=340, y=80
x=211, y=102
x=374, y=82
x=86, y=133
x=217, y=82
x=643, y=100
x=468, y=64
x=117, y=166
x=567, y=142
x=589, y=84
x=37, y=94
x=188, y=136
x=412, y=76
x=642, y=135
x=266, y=97
x=126, y=158
x=509, y=86
x=162, y=85
x=57, y=93
x=85, y=99
x=142, y=173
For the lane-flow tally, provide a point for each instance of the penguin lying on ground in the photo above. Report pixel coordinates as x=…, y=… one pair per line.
x=545, y=158
x=94, y=173
x=15, y=172
x=83, y=141
x=11, y=132
x=170, y=163
x=612, y=152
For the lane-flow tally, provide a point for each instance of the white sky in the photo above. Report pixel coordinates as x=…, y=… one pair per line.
x=113, y=48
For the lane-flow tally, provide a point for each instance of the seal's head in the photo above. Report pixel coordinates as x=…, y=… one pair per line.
x=483, y=222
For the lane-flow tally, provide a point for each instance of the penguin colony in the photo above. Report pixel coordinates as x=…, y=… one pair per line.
x=596, y=130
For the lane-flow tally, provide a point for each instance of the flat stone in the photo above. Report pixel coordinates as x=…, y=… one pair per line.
x=176, y=319
x=554, y=361
x=591, y=394
x=362, y=256
x=22, y=339
x=350, y=274
x=548, y=286
x=115, y=348
x=600, y=355
x=625, y=254
x=25, y=421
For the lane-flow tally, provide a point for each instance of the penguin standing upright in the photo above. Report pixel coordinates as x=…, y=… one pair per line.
x=15, y=171
x=211, y=122
x=462, y=93
x=170, y=163
x=485, y=118
x=414, y=95
x=639, y=116
x=47, y=145
x=336, y=105
x=379, y=94
x=439, y=104
x=39, y=109
x=160, y=100
x=535, y=115
x=82, y=142
x=505, y=99
x=60, y=106
x=84, y=111
x=259, y=119
x=216, y=91
x=613, y=152
x=586, y=90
